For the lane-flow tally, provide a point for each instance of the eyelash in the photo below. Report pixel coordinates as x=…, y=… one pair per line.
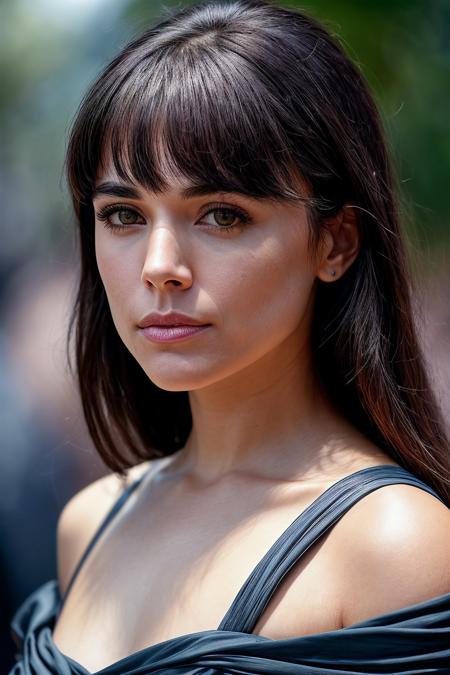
x=104, y=214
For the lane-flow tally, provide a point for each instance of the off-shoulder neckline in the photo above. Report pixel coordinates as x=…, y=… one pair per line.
x=367, y=623
x=218, y=631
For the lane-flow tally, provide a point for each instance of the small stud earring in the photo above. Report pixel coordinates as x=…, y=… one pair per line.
x=333, y=273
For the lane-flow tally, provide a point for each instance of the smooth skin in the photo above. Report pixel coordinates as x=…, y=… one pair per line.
x=265, y=441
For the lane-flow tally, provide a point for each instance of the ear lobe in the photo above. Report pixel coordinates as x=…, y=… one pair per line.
x=341, y=244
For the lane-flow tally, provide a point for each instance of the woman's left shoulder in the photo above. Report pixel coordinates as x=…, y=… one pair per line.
x=394, y=548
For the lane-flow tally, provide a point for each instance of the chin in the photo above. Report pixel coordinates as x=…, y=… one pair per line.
x=174, y=379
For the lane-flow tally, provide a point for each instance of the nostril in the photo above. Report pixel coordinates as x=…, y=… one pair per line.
x=175, y=282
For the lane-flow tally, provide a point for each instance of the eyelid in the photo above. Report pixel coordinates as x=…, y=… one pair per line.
x=213, y=206
x=109, y=209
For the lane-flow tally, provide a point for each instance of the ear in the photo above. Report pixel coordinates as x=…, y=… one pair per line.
x=340, y=244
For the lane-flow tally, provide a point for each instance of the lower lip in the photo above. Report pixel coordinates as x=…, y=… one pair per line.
x=172, y=333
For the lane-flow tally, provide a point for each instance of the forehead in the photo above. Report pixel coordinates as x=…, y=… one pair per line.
x=122, y=173
x=121, y=183
x=109, y=181
x=111, y=184
x=107, y=172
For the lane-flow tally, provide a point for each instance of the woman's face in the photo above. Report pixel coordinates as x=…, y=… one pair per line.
x=236, y=263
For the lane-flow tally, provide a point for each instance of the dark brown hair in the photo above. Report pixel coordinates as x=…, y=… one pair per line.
x=241, y=96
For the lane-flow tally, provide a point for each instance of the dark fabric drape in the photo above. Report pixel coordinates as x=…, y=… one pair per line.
x=412, y=640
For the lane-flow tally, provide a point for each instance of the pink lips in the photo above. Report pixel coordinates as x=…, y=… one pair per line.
x=171, y=333
x=170, y=327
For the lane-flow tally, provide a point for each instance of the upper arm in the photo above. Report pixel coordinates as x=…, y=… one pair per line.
x=395, y=552
x=81, y=517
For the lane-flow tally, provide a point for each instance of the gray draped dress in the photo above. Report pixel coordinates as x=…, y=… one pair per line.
x=411, y=640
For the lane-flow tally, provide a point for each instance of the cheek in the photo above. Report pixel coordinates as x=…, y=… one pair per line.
x=117, y=271
x=269, y=285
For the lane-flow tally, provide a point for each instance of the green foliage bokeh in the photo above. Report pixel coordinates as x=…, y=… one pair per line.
x=401, y=46
x=403, y=49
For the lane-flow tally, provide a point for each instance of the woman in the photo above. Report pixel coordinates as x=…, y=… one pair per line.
x=245, y=342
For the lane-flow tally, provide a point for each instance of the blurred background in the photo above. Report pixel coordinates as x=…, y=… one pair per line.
x=50, y=52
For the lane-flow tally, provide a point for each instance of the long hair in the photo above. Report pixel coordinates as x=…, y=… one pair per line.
x=242, y=96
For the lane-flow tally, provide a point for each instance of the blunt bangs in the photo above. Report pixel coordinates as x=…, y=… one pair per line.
x=246, y=96
x=192, y=108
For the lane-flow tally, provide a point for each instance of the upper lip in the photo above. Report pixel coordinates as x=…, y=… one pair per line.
x=169, y=319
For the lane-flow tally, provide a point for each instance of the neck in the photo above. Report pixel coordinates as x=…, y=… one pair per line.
x=270, y=418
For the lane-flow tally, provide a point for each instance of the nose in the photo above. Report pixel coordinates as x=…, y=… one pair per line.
x=163, y=265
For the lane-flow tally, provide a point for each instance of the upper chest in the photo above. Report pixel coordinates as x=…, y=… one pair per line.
x=164, y=571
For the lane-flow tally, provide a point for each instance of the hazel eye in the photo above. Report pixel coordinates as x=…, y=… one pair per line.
x=225, y=218
x=127, y=217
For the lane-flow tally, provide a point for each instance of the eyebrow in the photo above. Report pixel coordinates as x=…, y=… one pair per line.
x=130, y=192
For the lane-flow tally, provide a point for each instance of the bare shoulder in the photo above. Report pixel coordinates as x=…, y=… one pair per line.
x=83, y=514
x=393, y=551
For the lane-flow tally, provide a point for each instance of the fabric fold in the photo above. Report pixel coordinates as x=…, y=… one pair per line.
x=412, y=640
x=409, y=641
